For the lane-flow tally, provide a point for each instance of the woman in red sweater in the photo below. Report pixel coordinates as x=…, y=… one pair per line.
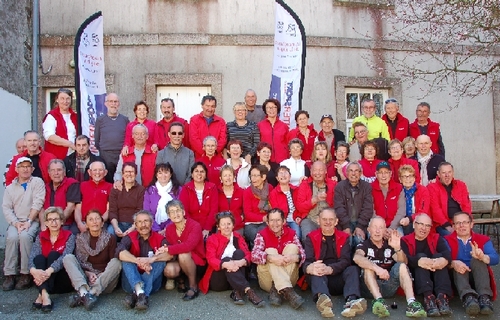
x=231, y=197
x=141, y=111
x=274, y=131
x=369, y=163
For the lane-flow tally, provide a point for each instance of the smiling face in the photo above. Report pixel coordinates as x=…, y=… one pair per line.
x=407, y=178
x=113, y=104
x=20, y=146
x=141, y=112
x=396, y=151
x=327, y=125
x=56, y=173
x=140, y=136
x=341, y=154
x=257, y=179
x=240, y=112
x=391, y=109
x=143, y=224
x=377, y=229
x=361, y=134
x=422, y=226
x=24, y=171
x=199, y=174
x=353, y=174
x=423, y=114
x=235, y=151
x=176, y=214
x=210, y=146
x=462, y=223
x=264, y=154
x=295, y=150
x=410, y=149
x=167, y=109
x=226, y=226
x=302, y=121
x=370, y=152
x=97, y=171
x=446, y=174
x=318, y=172
x=163, y=176
x=250, y=99
x=327, y=222
x=53, y=222
x=176, y=133
x=384, y=176
x=32, y=140
x=94, y=222
x=208, y=108
x=369, y=109
x=283, y=177
x=271, y=110
x=275, y=222
x=63, y=101
x=227, y=177
x=424, y=145
x=128, y=174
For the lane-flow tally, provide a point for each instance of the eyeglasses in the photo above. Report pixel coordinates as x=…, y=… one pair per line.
x=391, y=100
x=146, y=222
x=359, y=132
x=112, y=101
x=240, y=110
x=272, y=107
x=407, y=177
x=223, y=214
x=175, y=133
x=53, y=220
x=424, y=225
x=24, y=167
x=462, y=223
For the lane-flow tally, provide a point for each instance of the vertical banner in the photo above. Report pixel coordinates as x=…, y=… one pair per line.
x=289, y=62
x=89, y=75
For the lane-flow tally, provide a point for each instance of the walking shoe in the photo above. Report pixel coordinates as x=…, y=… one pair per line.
x=430, y=306
x=354, y=307
x=130, y=300
x=9, y=283
x=142, y=302
x=324, y=306
x=89, y=301
x=443, y=304
x=75, y=300
x=24, y=282
x=471, y=304
x=170, y=285
x=289, y=294
x=237, y=298
x=274, y=297
x=255, y=299
x=485, y=304
x=380, y=308
x=415, y=310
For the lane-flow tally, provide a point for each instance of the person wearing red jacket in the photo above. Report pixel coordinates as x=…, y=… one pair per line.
x=314, y=194
x=331, y=136
x=305, y=132
x=231, y=197
x=424, y=125
x=141, y=110
x=212, y=159
x=397, y=160
x=448, y=196
x=399, y=126
x=274, y=131
x=417, y=198
x=204, y=124
x=167, y=108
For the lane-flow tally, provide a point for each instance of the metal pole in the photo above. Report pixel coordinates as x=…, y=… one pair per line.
x=34, y=58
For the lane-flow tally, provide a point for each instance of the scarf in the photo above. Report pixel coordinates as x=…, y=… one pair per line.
x=83, y=249
x=409, y=193
x=164, y=193
x=263, y=196
x=81, y=164
x=423, y=167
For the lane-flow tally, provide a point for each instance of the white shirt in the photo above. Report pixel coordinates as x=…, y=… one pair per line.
x=49, y=128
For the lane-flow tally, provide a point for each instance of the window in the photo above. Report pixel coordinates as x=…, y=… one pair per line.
x=353, y=98
x=50, y=98
x=187, y=99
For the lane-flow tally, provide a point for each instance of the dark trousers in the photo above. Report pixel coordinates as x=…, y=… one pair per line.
x=345, y=283
x=432, y=281
x=478, y=279
x=58, y=282
x=111, y=158
x=222, y=280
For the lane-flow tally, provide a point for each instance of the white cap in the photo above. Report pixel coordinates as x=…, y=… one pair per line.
x=23, y=159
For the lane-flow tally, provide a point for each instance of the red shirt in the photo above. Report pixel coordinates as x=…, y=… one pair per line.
x=276, y=136
x=150, y=124
x=199, y=130
x=163, y=127
x=95, y=196
x=214, y=165
x=308, y=143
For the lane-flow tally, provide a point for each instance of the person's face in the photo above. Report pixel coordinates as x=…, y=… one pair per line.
x=422, y=226
x=112, y=103
x=163, y=176
x=369, y=109
x=377, y=230
x=321, y=152
x=302, y=121
x=97, y=171
x=341, y=154
x=327, y=125
x=318, y=172
x=275, y=222
x=226, y=226
x=391, y=109
x=56, y=173
x=257, y=179
x=295, y=150
x=20, y=146
x=128, y=175
x=32, y=142
x=445, y=174
x=24, y=170
x=240, y=112
x=53, y=222
x=409, y=149
x=199, y=174
x=327, y=222
x=227, y=178
x=407, y=179
x=235, y=151
x=210, y=147
x=353, y=174
x=264, y=154
x=283, y=177
x=94, y=222
x=82, y=147
x=143, y=224
x=176, y=134
x=361, y=134
x=424, y=145
x=141, y=112
x=64, y=101
x=140, y=136
x=384, y=176
x=423, y=113
x=463, y=225
x=176, y=214
x=396, y=151
x=271, y=110
x=208, y=108
x=167, y=109
x=250, y=99
x=370, y=152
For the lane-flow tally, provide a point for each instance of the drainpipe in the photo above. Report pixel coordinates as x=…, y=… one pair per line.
x=34, y=58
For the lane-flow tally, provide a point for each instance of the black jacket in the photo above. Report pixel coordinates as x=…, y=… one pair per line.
x=70, y=163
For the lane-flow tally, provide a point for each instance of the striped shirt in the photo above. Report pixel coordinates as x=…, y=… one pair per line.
x=248, y=135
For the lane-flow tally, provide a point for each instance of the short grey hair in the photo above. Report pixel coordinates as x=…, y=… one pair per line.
x=210, y=138
x=355, y=163
x=51, y=162
x=141, y=126
x=174, y=203
x=145, y=212
x=50, y=210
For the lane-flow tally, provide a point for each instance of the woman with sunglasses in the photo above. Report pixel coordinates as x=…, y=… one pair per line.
x=227, y=257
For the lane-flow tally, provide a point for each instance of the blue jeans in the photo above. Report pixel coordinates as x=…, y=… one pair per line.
x=388, y=288
x=442, y=231
x=150, y=282
x=355, y=240
x=124, y=226
x=295, y=227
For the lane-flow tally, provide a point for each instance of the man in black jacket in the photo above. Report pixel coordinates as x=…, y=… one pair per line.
x=78, y=163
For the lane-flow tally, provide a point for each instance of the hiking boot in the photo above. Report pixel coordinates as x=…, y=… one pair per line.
x=289, y=294
x=130, y=300
x=471, y=304
x=380, y=308
x=324, y=306
x=255, y=299
x=274, y=297
x=442, y=302
x=237, y=297
x=142, y=302
x=9, y=283
x=24, y=282
x=485, y=304
x=415, y=310
x=353, y=307
x=89, y=301
x=75, y=300
x=430, y=306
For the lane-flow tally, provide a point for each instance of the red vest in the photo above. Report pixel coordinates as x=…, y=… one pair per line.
x=411, y=242
x=317, y=239
x=148, y=163
x=95, y=196
x=279, y=243
x=432, y=132
x=58, y=246
x=321, y=137
x=386, y=207
x=59, y=197
x=402, y=127
x=61, y=130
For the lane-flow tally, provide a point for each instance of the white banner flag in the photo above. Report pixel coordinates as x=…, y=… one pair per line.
x=288, y=63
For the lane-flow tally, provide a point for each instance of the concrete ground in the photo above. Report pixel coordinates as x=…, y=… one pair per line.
x=168, y=304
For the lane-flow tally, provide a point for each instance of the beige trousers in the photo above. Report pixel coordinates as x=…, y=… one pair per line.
x=19, y=244
x=282, y=276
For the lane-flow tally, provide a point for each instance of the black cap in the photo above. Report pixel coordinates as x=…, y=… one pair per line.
x=382, y=165
x=326, y=116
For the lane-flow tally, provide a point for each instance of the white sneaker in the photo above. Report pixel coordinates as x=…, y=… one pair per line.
x=170, y=285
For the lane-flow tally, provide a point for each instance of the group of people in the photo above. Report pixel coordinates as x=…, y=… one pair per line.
x=203, y=205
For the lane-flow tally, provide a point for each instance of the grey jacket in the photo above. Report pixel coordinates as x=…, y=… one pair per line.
x=353, y=204
x=181, y=161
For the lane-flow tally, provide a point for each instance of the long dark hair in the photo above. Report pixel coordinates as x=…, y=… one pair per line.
x=166, y=167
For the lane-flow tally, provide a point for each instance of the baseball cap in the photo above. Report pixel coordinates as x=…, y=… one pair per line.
x=23, y=159
x=326, y=116
x=382, y=165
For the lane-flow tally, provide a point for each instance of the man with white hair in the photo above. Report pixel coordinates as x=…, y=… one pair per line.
x=428, y=161
x=254, y=111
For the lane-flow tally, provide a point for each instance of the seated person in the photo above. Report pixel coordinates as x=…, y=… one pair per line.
x=228, y=256
x=93, y=269
x=384, y=271
x=238, y=163
x=472, y=255
x=78, y=163
x=328, y=267
x=417, y=198
x=369, y=162
x=299, y=170
x=142, y=262
x=278, y=254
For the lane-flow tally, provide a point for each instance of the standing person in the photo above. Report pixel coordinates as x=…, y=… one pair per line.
x=212, y=159
x=78, y=163
x=331, y=136
x=428, y=161
x=264, y=152
x=167, y=108
x=304, y=132
x=141, y=111
x=20, y=148
x=274, y=131
x=240, y=165
x=244, y=131
x=399, y=126
x=109, y=133
x=298, y=167
x=204, y=124
x=22, y=201
x=60, y=126
x=375, y=125
x=369, y=163
x=423, y=125
x=231, y=198
x=361, y=134
x=397, y=160
x=409, y=147
x=322, y=154
x=254, y=112
x=416, y=196
x=341, y=160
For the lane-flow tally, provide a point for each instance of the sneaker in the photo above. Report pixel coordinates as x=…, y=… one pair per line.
x=471, y=304
x=24, y=282
x=442, y=302
x=142, y=302
x=485, y=304
x=380, y=308
x=170, y=285
x=430, y=306
x=354, y=307
x=75, y=300
x=237, y=298
x=274, y=297
x=130, y=300
x=415, y=310
x=324, y=306
x=89, y=301
x=293, y=298
x=255, y=299
x=9, y=283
